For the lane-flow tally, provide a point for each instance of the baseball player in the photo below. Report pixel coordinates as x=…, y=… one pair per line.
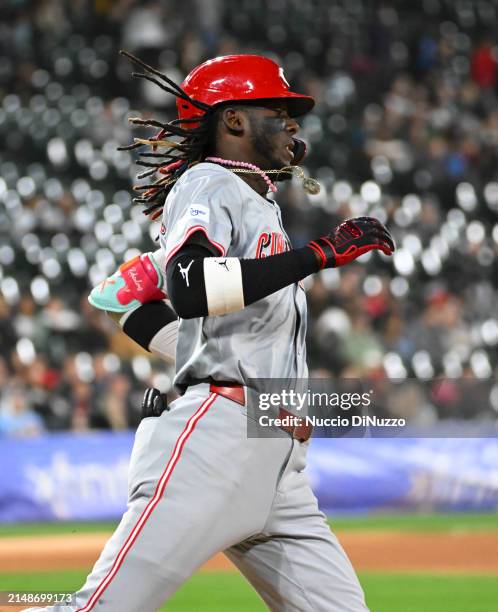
x=197, y=483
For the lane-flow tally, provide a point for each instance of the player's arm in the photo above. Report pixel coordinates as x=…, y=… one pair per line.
x=200, y=284
x=134, y=298
x=154, y=326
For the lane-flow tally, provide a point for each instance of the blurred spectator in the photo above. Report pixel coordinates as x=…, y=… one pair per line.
x=16, y=417
x=484, y=65
x=405, y=129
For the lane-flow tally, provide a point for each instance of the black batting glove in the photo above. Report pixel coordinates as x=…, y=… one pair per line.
x=154, y=403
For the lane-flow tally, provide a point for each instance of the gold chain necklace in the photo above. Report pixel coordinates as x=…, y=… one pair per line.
x=310, y=185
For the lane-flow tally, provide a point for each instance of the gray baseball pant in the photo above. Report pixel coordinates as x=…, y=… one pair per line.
x=198, y=485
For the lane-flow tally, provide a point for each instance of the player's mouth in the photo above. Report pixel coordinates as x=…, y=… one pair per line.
x=290, y=151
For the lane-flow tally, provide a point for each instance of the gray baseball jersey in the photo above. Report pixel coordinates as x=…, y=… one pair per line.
x=265, y=339
x=197, y=483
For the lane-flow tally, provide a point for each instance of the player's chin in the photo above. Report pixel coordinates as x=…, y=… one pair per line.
x=281, y=160
x=287, y=156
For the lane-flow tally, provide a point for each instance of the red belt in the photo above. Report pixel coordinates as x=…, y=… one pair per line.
x=235, y=392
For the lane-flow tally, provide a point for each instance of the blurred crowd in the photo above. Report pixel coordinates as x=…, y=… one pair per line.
x=405, y=129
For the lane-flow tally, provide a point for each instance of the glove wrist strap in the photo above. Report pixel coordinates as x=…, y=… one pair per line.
x=325, y=251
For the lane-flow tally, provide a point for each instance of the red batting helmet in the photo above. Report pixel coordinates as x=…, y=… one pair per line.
x=239, y=78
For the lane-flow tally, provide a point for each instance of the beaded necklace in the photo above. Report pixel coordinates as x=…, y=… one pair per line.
x=245, y=165
x=309, y=184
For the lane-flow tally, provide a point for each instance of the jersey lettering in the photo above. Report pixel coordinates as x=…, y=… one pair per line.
x=270, y=244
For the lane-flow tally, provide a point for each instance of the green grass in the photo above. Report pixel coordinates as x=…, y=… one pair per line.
x=28, y=529
x=400, y=522
x=206, y=592
x=67, y=580
x=216, y=593
x=457, y=521
x=225, y=592
x=430, y=593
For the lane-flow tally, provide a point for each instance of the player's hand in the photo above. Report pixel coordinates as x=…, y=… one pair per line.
x=137, y=281
x=351, y=239
x=154, y=403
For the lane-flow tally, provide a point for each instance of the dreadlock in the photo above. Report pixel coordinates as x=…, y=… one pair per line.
x=182, y=146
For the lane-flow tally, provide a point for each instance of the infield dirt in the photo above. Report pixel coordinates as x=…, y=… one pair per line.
x=368, y=550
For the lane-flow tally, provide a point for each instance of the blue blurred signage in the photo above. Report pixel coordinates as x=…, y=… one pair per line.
x=84, y=476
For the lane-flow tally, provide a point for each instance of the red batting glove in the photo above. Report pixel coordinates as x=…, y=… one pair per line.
x=142, y=278
x=351, y=239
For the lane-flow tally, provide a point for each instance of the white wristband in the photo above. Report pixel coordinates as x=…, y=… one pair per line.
x=224, y=289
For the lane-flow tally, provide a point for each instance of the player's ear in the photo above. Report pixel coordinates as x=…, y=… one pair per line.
x=234, y=119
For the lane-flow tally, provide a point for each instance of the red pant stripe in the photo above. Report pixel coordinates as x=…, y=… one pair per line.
x=161, y=485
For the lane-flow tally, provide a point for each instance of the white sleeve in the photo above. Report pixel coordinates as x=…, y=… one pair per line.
x=163, y=344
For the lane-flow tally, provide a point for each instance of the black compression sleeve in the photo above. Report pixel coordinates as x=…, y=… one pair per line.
x=260, y=277
x=144, y=322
